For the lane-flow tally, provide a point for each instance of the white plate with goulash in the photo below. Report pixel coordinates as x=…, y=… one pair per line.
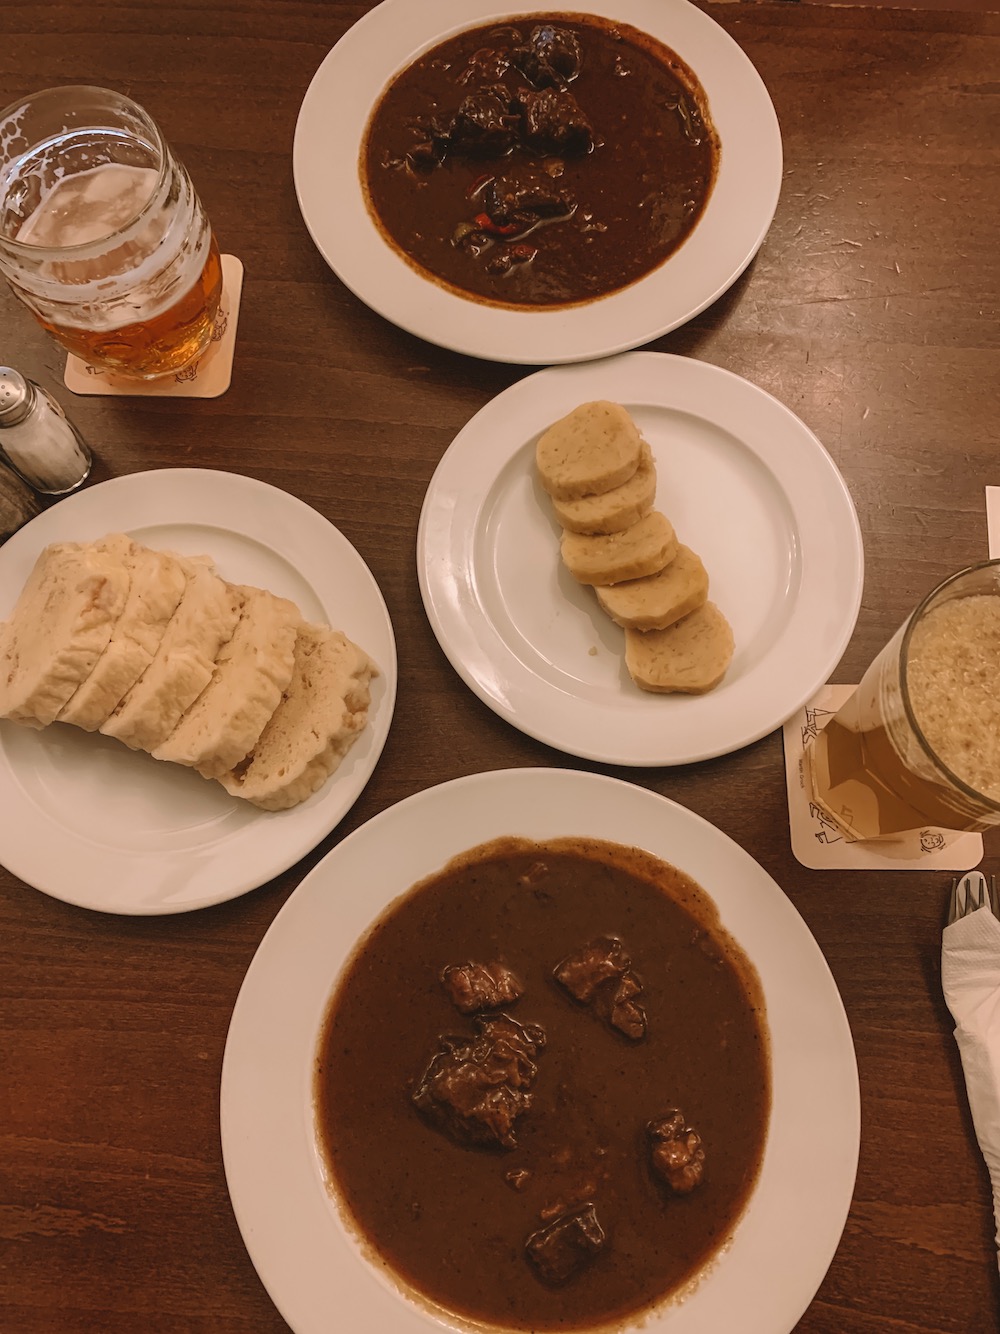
x=534, y=185
x=198, y=677
x=556, y=1055
x=645, y=560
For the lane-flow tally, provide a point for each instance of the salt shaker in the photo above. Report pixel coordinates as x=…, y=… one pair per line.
x=37, y=439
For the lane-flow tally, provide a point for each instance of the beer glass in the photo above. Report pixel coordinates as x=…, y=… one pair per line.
x=918, y=743
x=102, y=235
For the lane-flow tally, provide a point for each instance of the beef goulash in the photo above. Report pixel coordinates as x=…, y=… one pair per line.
x=594, y=464
x=545, y=162
x=542, y=1085
x=161, y=652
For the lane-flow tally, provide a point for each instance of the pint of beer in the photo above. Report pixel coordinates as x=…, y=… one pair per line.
x=918, y=743
x=102, y=235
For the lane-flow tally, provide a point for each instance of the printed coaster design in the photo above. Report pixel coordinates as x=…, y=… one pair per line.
x=208, y=377
x=819, y=844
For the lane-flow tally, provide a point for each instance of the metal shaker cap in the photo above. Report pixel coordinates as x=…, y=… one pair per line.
x=17, y=396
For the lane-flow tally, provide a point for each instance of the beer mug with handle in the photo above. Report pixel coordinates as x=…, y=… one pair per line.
x=102, y=235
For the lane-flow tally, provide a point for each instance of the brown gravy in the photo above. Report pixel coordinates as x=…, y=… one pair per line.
x=451, y=1220
x=543, y=162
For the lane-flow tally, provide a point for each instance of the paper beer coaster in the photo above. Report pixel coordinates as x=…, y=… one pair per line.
x=993, y=520
x=819, y=844
x=208, y=377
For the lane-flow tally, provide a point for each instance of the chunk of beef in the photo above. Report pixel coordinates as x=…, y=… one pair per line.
x=561, y=1250
x=487, y=65
x=626, y=1015
x=520, y=200
x=425, y=155
x=485, y=124
x=481, y=986
x=588, y=968
x=475, y=1087
x=677, y=1152
x=430, y=143
x=600, y=974
x=551, y=58
x=552, y=121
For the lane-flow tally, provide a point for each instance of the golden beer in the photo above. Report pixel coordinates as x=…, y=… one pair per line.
x=156, y=346
x=918, y=743
x=102, y=235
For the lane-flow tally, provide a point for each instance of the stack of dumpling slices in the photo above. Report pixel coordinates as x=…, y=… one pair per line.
x=601, y=477
x=161, y=652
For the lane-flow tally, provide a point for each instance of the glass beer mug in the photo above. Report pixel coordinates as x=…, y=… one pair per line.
x=102, y=235
x=918, y=743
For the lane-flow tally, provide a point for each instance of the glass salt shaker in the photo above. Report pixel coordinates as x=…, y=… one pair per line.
x=37, y=439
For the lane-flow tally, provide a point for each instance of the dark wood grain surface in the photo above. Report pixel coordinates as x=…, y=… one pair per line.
x=871, y=311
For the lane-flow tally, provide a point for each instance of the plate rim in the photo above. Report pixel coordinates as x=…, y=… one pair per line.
x=608, y=375
x=258, y=1061
x=426, y=310
x=159, y=497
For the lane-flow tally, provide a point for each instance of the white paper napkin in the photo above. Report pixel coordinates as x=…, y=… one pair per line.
x=970, y=976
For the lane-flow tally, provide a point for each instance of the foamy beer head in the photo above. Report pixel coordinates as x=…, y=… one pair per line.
x=951, y=682
x=918, y=743
x=102, y=235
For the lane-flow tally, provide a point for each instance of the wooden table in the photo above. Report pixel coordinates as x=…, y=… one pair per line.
x=871, y=311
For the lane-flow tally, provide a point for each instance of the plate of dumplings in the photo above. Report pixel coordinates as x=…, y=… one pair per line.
x=642, y=561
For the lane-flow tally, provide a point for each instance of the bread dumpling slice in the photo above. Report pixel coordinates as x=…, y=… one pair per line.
x=251, y=674
x=614, y=510
x=58, y=629
x=660, y=599
x=643, y=549
x=595, y=447
x=184, y=663
x=690, y=657
x=324, y=710
x=157, y=582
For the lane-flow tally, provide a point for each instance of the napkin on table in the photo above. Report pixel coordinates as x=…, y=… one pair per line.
x=970, y=976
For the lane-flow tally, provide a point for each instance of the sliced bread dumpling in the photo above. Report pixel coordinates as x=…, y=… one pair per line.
x=643, y=549
x=690, y=657
x=58, y=629
x=184, y=662
x=658, y=600
x=251, y=674
x=157, y=582
x=614, y=510
x=320, y=717
x=595, y=447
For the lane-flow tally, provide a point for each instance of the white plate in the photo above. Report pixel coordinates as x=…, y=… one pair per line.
x=93, y=823
x=312, y=1266
x=745, y=484
x=329, y=133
